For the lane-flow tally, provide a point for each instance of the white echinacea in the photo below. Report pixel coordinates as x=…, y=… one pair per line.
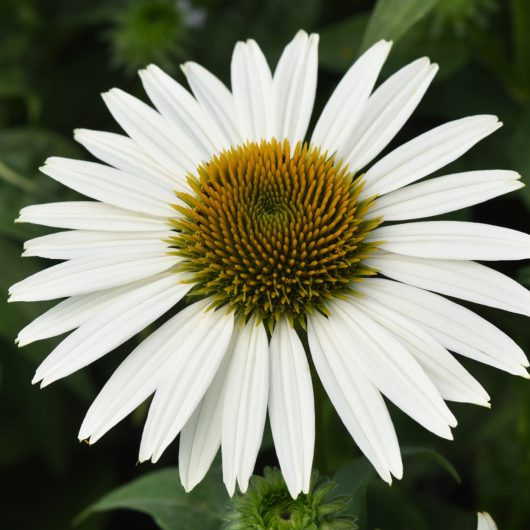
x=214, y=199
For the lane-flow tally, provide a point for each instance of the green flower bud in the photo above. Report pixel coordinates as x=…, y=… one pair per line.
x=148, y=31
x=267, y=505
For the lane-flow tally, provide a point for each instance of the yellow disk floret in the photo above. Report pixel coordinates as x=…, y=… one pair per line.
x=273, y=230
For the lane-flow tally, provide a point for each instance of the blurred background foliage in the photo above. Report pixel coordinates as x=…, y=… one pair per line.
x=56, y=56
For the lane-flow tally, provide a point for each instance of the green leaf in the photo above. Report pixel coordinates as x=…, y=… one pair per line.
x=434, y=456
x=451, y=54
x=391, y=19
x=521, y=45
x=339, y=43
x=520, y=151
x=14, y=85
x=352, y=480
x=22, y=151
x=160, y=495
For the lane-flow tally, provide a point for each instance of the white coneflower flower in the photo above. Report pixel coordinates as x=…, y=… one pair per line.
x=214, y=198
x=485, y=521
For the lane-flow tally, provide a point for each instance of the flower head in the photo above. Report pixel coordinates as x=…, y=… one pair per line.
x=297, y=229
x=269, y=239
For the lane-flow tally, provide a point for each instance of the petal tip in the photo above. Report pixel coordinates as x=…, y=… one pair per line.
x=20, y=341
x=314, y=38
x=45, y=382
x=230, y=487
x=398, y=474
x=83, y=434
x=143, y=457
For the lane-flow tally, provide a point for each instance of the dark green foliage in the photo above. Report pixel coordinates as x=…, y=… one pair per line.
x=160, y=495
x=57, y=56
x=147, y=31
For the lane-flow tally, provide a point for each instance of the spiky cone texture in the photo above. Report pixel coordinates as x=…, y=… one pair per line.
x=297, y=231
x=265, y=238
x=268, y=505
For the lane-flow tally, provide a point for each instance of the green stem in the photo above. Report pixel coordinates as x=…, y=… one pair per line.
x=11, y=176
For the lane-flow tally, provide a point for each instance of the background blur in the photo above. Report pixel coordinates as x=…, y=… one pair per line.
x=57, y=56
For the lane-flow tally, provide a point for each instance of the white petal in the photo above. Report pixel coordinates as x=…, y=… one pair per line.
x=391, y=368
x=485, y=522
x=358, y=403
x=200, y=438
x=291, y=407
x=453, y=240
x=114, y=324
x=215, y=99
x=123, y=153
x=245, y=405
x=341, y=113
x=87, y=215
x=294, y=86
x=427, y=153
x=462, y=279
x=456, y=328
x=144, y=369
x=71, y=313
x=387, y=110
x=176, y=104
x=252, y=89
x=84, y=275
x=445, y=194
x=111, y=186
x=451, y=379
x=85, y=243
x=153, y=133
x=193, y=367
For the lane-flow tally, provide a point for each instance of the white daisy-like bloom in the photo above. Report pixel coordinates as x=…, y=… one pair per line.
x=485, y=521
x=214, y=201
